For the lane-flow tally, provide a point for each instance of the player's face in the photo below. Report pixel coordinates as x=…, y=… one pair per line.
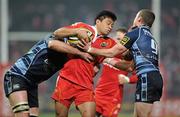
x=120, y=35
x=105, y=26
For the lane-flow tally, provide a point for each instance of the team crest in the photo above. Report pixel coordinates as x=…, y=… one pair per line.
x=104, y=44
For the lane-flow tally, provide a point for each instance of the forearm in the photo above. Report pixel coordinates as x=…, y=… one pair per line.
x=111, y=52
x=101, y=52
x=63, y=47
x=119, y=63
x=125, y=65
x=65, y=32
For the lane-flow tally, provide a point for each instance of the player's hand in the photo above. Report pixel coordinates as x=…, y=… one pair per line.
x=86, y=56
x=84, y=46
x=82, y=35
x=123, y=79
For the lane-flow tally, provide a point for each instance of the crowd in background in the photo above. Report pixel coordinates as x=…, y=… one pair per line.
x=46, y=15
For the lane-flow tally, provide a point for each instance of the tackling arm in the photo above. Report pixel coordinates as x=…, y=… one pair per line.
x=115, y=50
x=123, y=65
x=119, y=48
x=125, y=79
x=120, y=64
x=65, y=48
x=126, y=63
x=65, y=32
x=68, y=32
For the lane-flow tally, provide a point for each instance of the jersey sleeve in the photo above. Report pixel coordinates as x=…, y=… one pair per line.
x=130, y=38
x=133, y=79
x=75, y=25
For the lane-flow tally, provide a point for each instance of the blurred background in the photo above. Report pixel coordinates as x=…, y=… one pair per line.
x=24, y=22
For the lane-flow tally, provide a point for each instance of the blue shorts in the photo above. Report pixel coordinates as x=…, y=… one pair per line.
x=149, y=87
x=13, y=82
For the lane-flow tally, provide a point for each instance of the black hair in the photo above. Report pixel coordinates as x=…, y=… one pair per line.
x=104, y=14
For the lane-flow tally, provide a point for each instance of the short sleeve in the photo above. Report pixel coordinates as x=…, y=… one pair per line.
x=130, y=38
x=75, y=25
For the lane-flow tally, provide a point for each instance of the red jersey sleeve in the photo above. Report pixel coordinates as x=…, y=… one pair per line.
x=133, y=79
x=92, y=32
x=75, y=25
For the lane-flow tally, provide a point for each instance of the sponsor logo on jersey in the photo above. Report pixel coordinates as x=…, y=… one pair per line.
x=124, y=40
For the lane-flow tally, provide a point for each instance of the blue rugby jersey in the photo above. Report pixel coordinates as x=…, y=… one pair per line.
x=144, y=47
x=39, y=63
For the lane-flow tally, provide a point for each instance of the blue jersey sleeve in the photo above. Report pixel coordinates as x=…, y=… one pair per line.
x=130, y=38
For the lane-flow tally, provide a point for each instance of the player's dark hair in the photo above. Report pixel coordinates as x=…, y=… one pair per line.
x=105, y=14
x=148, y=16
x=123, y=30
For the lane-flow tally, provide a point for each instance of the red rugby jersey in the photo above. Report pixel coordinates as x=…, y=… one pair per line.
x=81, y=72
x=108, y=83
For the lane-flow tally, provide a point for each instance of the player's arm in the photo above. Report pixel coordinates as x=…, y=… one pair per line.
x=115, y=50
x=123, y=79
x=60, y=46
x=65, y=32
x=126, y=63
x=127, y=56
x=122, y=46
x=133, y=78
x=72, y=30
x=120, y=64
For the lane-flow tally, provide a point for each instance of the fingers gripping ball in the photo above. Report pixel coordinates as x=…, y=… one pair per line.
x=84, y=30
x=89, y=34
x=74, y=40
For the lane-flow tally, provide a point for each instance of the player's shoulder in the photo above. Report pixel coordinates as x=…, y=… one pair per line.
x=107, y=39
x=134, y=29
x=133, y=33
x=84, y=26
x=143, y=29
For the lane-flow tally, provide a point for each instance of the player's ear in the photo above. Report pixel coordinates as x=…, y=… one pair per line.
x=140, y=20
x=98, y=21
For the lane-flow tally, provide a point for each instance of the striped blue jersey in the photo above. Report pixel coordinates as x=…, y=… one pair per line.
x=144, y=47
x=39, y=63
